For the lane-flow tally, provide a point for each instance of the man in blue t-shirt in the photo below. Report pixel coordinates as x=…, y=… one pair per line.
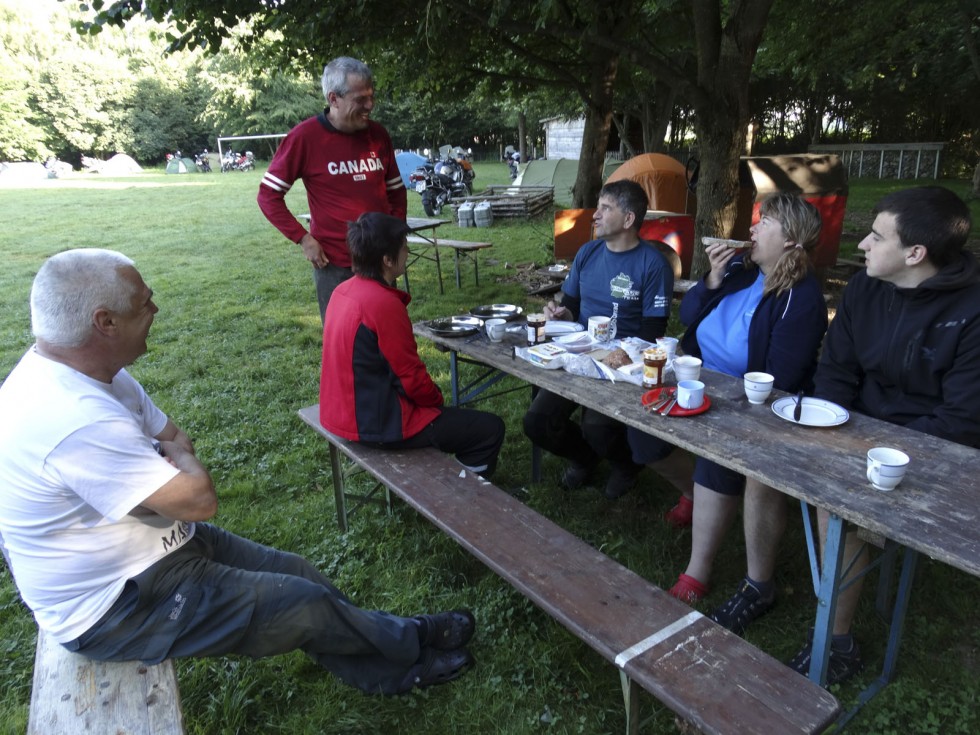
x=617, y=268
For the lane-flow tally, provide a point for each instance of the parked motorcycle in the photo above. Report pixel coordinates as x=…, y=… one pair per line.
x=440, y=181
x=202, y=161
x=232, y=161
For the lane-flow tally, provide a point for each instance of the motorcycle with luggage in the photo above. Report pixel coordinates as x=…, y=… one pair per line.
x=439, y=182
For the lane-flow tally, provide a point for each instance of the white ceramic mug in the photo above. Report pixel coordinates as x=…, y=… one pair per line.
x=495, y=329
x=690, y=394
x=687, y=367
x=599, y=328
x=758, y=386
x=886, y=467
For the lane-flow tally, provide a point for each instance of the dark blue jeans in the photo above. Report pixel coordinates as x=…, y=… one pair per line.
x=223, y=594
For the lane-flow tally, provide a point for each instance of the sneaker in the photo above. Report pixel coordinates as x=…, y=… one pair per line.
x=575, y=476
x=619, y=483
x=743, y=607
x=682, y=514
x=845, y=658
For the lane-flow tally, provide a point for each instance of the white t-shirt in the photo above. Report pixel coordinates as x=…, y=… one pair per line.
x=76, y=460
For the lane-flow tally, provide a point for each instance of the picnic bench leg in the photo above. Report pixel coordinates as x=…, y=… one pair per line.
x=456, y=260
x=339, y=492
x=895, y=629
x=435, y=248
x=631, y=698
x=829, y=588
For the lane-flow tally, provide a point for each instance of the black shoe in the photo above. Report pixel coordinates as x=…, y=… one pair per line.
x=619, y=483
x=447, y=630
x=743, y=607
x=845, y=658
x=576, y=476
x=436, y=667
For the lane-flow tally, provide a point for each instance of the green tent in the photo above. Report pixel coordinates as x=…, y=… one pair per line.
x=181, y=166
x=559, y=173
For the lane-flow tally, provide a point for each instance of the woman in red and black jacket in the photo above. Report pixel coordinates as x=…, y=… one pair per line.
x=374, y=388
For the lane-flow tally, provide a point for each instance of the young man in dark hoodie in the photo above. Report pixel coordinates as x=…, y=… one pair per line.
x=904, y=347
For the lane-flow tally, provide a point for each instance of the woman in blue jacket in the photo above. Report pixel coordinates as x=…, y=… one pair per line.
x=762, y=311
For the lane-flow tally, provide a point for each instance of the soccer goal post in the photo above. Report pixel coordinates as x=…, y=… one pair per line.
x=276, y=137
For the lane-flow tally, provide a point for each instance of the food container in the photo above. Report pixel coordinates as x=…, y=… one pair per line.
x=654, y=360
x=545, y=353
x=535, y=329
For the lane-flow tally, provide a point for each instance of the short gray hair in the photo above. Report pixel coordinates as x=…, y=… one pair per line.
x=71, y=286
x=336, y=72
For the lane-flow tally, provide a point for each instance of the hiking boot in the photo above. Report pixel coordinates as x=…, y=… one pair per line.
x=845, y=658
x=619, y=483
x=743, y=607
x=576, y=476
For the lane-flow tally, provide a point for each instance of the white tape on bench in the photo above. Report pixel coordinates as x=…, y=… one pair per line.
x=661, y=635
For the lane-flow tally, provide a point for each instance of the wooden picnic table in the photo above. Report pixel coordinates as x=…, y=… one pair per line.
x=935, y=511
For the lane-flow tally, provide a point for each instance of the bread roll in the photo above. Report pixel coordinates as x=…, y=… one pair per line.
x=617, y=358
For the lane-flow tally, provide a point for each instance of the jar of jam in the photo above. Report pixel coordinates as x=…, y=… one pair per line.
x=654, y=360
x=535, y=329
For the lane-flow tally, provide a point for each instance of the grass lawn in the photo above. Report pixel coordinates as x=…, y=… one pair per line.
x=235, y=351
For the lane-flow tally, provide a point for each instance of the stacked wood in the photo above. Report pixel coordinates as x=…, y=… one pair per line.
x=513, y=201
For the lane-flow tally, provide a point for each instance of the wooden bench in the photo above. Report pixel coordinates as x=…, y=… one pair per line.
x=711, y=678
x=74, y=694
x=461, y=248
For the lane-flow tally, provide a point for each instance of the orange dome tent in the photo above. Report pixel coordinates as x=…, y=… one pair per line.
x=663, y=178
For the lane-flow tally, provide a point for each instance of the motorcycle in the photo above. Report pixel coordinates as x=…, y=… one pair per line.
x=202, y=161
x=238, y=162
x=440, y=181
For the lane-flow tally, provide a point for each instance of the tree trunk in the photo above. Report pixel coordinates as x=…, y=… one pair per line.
x=726, y=49
x=720, y=138
x=976, y=181
x=595, y=137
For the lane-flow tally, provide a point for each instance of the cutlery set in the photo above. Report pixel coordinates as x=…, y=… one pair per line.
x=664, y=403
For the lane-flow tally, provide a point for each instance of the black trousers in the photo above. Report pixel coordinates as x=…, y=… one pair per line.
x=548, y=423
x=474, y=437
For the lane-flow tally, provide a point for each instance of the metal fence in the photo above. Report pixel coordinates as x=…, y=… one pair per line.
x=887, y=160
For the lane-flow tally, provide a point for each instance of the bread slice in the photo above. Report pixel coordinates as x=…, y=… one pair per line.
x=736, y=245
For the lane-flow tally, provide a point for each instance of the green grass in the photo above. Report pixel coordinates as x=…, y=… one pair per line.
x=234, y=352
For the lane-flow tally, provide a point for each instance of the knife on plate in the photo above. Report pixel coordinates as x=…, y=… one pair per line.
x=798, y=411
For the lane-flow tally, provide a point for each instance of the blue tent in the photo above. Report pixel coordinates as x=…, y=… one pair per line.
x=408, y=162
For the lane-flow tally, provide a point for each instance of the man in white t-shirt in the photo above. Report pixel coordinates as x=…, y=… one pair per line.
x=102, y=503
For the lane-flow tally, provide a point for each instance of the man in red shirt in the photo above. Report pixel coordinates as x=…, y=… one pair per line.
x=347, y=164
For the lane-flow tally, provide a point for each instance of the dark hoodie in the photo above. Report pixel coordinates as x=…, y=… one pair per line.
x=910, y=356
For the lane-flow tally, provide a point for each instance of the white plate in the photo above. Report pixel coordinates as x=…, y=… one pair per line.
x=816, y=411
x=556, y=327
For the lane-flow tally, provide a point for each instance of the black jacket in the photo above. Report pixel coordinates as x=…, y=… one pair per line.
x=910, y=356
